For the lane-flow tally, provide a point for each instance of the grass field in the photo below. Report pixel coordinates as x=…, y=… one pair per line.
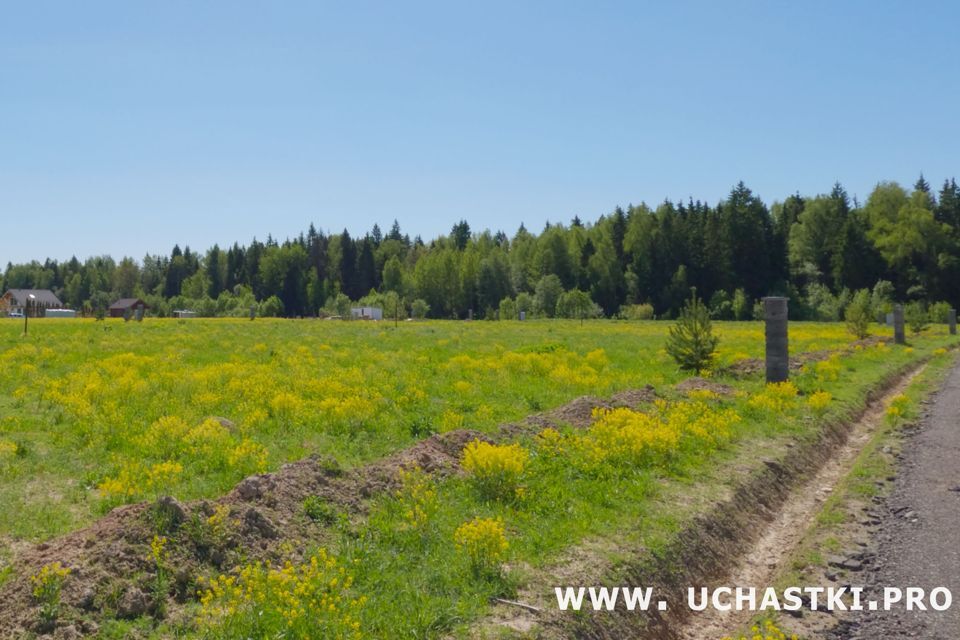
x=98, y=414
x=95, y=410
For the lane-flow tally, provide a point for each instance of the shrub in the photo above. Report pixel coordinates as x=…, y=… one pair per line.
x=828, y=370
x=916, y=317
x=496, y=468
x=338, y=305
x=577, y=304
x=508, y=309
x=272, y=307
x=720, y=306
x=547, y=293
x=310, y=600
x=210, y=532
x=691, y=341
x=484, y=542
x=47, y=584
x=819, y=401
x=419, y=309
x=897, y=408
x=857, y=314
x=158, y=556
x=622, y=439
x=524, y=302
x=881, y=299
x=776, y=397
x=939, y=312
x=637, y=311
x=741, y=305
x=417, y=497
x=319, y=510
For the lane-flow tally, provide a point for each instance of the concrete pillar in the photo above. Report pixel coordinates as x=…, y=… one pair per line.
x=899, y=336
x=253, y=311
x=778, y=355
x=952, y=321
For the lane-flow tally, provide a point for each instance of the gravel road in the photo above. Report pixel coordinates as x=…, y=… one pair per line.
x=918, y=540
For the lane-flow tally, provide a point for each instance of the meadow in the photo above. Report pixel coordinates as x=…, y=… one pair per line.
x=97, y=414
x=100, y=413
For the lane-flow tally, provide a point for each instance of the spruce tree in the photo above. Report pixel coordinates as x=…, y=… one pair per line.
x=691, y=341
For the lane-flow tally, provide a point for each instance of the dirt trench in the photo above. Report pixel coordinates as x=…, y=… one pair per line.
x=741, y=540
x=764, y=559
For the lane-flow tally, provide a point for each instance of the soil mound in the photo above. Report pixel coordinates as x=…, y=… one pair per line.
x=110, y=561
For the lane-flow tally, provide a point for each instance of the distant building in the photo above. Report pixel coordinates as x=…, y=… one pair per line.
x=366, y=313
x=19, y=301
x=61, y=313
x=184, y=313
x=125, y=307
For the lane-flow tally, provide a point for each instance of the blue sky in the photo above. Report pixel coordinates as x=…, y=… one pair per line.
x=126, y=127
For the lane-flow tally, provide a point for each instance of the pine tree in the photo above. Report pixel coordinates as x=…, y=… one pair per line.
x=691, y=342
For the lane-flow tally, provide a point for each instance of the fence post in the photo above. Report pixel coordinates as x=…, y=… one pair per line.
x=952, y=321
x=899, y=336
x=778, y=355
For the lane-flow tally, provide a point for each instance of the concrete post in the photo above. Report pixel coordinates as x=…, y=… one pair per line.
x=952, y=321
x=899, y=337
x=778, y=357
x=253, y=311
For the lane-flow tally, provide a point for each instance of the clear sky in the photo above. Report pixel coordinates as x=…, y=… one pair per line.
x=126, y=127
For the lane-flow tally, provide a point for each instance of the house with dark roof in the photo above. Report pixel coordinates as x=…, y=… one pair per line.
x=32, y=302
x=125, y=307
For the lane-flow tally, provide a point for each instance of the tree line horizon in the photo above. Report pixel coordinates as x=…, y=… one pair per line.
x=637, y=262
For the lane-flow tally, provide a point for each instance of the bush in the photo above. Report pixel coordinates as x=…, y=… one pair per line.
x=524, y=303
x=338, y=305
x=881, y=299
x=916, y=316
x=508, y=309
x=272, y=307
x=419, y=309
x=47, y=584
x=577, y=304
x=720, y=306
x=741, y=305
x=496, y=468
x=691, y=341
x=313, y=599
x=939, y=312
x=319, y=510
x=484, y=542
x=417, y=497
x=857, y=314
x=636, y=311
x=548, y=292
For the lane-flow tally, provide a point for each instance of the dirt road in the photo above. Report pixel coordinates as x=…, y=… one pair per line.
x=918, y=540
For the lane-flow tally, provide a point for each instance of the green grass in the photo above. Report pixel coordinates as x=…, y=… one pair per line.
x=82, y=397
x=420, y=586
x=76, y=395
